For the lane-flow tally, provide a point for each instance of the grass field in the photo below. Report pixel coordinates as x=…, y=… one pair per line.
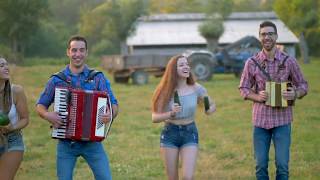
x=133, y=145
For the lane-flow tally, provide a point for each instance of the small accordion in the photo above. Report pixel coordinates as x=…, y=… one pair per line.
x=81, y=112
x=274, y=91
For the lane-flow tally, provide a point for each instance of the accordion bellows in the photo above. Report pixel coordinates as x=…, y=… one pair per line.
x=274, y=91
x=81, y=112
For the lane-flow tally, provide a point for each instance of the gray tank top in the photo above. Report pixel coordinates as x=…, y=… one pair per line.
x=188, y=103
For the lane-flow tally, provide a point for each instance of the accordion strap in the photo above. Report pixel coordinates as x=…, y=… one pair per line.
x=261, y=69
x=92, y=74
x=264, y=71
x=63, y=77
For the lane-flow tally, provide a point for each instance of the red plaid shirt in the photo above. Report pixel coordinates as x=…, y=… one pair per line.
x=253, y=80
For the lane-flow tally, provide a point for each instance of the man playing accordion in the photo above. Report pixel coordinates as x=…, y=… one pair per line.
x=272, y=117
x=76, y=76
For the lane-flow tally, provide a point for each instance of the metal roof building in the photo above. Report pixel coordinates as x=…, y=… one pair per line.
x=178, y=32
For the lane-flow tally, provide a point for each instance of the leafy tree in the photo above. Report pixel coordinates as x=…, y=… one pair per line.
x=177, y=6
x=114, y=21
x=68, y=12
x=252, y=5
x=48, y=41
x=302, y=16
x=212, y=28
x=19, y=20
x=221, y=7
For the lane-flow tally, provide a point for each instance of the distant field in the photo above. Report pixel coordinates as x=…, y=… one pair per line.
x=133, y=145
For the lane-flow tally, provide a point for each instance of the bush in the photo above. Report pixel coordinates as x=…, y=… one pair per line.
x=312, y=38
x=212, y=28
x=91, y=61
x=9, y=56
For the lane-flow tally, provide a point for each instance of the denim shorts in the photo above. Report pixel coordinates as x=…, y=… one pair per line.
x=178, y=136
x=14, y=143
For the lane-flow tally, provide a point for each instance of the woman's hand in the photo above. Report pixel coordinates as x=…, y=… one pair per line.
x=158, y=117
x=175, y=108
x=212, y=107
x=6, y=129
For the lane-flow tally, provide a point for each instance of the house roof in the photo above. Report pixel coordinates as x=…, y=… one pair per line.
x=182, y=29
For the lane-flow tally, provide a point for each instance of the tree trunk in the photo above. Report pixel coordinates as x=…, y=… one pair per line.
x=304, y=49
x=212, y=44
x=14, y=49
x=17, y=50
x=124, y=48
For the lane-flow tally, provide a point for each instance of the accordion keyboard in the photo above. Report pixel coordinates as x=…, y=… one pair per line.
x=60, y=106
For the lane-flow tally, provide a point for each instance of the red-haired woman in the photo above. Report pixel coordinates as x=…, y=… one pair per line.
x=179, y=136
x=13, y=103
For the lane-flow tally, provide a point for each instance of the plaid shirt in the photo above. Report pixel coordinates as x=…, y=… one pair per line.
x=99, y=83
x=253, y=80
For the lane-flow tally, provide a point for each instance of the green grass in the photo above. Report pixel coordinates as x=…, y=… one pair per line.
x=133, y=145
x=91, y=60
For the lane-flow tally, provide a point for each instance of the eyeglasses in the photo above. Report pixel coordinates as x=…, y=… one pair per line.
x=270, y=34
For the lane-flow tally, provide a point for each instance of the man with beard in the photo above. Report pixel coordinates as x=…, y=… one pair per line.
x=271, y=123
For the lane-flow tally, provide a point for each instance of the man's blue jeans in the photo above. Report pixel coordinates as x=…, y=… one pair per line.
x=93, y=152
x=281, y=137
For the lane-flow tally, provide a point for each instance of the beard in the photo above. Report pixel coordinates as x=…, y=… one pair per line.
x=268, y=46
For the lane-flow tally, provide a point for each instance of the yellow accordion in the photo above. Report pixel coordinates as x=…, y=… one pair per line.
x=274, y=91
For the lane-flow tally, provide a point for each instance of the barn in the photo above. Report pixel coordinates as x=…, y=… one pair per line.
x=175, y=33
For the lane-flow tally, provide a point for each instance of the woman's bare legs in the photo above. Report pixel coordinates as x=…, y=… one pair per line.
x=189, y=159
x=9, y=164
x=170, y=157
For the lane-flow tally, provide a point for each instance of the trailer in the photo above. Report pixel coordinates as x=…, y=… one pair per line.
x=137, y=67
x=204, y=63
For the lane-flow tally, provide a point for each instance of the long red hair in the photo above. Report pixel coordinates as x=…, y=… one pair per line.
x=167, y=85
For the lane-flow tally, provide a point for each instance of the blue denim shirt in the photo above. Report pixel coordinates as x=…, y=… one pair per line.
x=99, y=83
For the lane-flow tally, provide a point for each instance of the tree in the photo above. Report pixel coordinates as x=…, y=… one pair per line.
x=19, y=19
x=114, y=21
x=252, y=5
x=302, y=16
x=123, y=16
x=212, y=28
x=222, y=7
x=177, y=6
x=49, y=40
x=69, y=12
x=62, y=22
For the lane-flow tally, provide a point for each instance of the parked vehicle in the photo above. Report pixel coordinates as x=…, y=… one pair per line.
x=229, y=59
x=137, y=67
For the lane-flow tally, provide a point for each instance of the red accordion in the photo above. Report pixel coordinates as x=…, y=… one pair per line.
x=81, y=112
